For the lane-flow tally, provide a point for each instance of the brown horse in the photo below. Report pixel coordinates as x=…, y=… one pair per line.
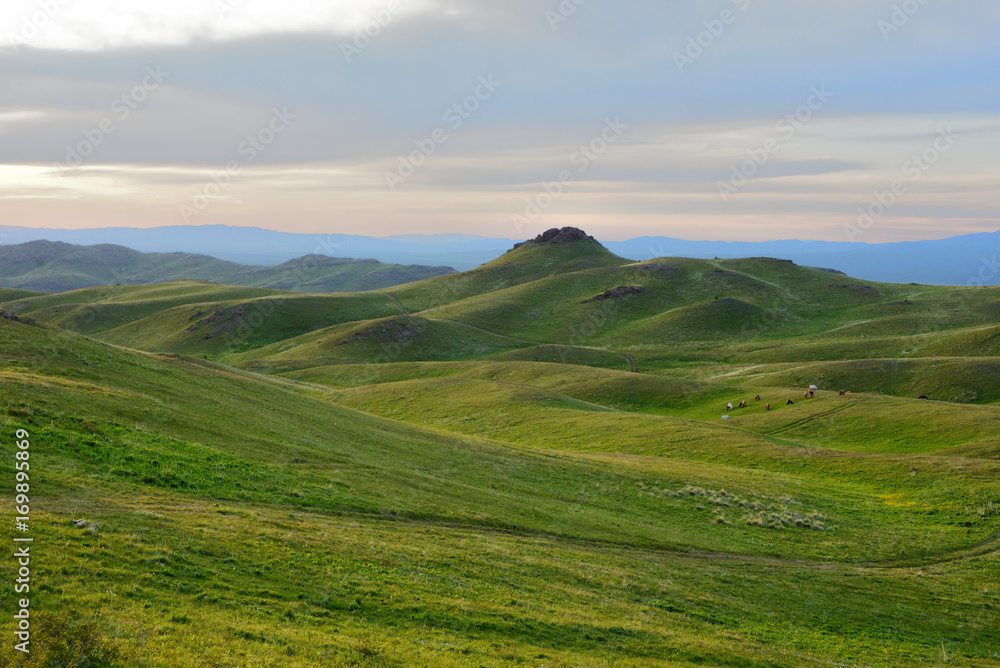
x=767, y=407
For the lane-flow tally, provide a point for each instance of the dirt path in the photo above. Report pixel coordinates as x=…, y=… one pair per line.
x=401, y=308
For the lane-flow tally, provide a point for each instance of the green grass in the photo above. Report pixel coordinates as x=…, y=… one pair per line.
x=221, y=327
x=97, y=309
x=357, y=375
x=11, y=294
x=521, y=265
x=706, y=321
x=490, y=483
x=395, y=339
x=57, y=267
x=608, y=359
x=961, y=380
x=319, y=273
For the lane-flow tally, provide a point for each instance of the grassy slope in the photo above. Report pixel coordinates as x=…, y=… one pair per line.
x=962, y=379
x=512, y=511
x=695, y=301
x=500, y=552
x=59, y=267
x=319, y=273
x=92, y=310
x=557, y=309
x=215, y=328
x=197, y=524
x=520, y=265
x=396, y=339
x=56, y=267
x=977, y=341
x=561, y=354
x=11, y=294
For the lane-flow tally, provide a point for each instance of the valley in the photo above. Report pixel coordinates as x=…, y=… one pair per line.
x=529, y=463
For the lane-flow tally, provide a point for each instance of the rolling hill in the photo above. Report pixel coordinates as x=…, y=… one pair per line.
x=532, y=463
x=47, y=266
x=549, y=254
x=969, y=259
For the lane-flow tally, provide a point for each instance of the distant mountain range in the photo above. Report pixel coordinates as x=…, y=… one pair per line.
x=260, y=247
x=961, y=260
x=972, y=259
x=55, y=266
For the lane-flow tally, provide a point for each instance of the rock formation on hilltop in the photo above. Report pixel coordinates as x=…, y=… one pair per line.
x=558, y=236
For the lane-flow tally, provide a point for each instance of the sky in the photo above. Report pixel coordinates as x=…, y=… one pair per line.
x=842, y=120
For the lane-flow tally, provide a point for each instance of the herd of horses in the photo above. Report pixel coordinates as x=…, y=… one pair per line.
x=808, y=394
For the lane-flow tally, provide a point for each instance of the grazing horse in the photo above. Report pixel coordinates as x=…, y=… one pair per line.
x=767, y=407
x=757, y=398
x=843, y=393
x=805, y=395
x=729, y=406
x=789, y=403
x=743, y=404
x=925, y=397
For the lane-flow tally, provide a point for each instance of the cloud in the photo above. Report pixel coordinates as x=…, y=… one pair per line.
x=95, y=25
x=357, y=114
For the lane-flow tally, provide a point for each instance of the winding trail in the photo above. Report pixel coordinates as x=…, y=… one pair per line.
x=632, y=365
x=484, y=331
x=395, y=301
x=812, y=418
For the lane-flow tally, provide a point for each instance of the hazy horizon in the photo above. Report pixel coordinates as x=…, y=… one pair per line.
x=944, y=234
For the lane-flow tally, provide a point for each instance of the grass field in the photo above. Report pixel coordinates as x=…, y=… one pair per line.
x=524, y=465
x=54, y=267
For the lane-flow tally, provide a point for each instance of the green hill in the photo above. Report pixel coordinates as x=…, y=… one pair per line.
x=54, y=266
x=270, y=525
x=48, y=266
x=568, y=355
x=216, y=327
x=10, y=294
x=552, y=253
x=93, y=310
x=394, y=339
x=962, y=380
x=319, y=273
x=561, y=458
x=627, y=305
x=707, y=321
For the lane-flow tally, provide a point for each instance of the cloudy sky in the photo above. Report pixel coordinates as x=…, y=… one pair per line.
x=873, y=120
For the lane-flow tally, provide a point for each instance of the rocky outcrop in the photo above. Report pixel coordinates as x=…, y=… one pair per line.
x=616, y=293
x=557, y=236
